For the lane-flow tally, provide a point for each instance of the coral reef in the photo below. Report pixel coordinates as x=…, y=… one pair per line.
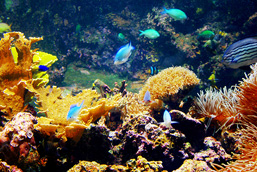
x=247, y=152
x=170, y=85
x=213, y=152
x=139, y=164
x=142, y=136
x=17, y=142
x=11, y=73
x=194, y=166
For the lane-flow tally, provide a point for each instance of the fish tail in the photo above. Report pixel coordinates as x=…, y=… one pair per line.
x=165, y=10
x=141, y=32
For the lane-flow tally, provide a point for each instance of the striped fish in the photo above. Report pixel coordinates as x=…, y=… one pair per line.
x=241, y=53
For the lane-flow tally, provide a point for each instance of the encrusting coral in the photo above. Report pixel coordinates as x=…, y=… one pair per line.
x=17, y=141
x=170, y=85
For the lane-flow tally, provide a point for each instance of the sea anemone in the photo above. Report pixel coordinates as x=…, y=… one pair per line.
x=220, y=106
x=247, y=97
x=247, y=146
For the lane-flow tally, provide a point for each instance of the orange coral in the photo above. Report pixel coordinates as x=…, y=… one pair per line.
x=167, y=83
x=11, y=92
x=56, y=108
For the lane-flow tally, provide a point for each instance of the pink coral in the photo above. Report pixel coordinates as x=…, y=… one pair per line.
x=16, y=139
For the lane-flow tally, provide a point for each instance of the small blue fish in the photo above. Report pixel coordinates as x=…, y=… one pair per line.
x=176, y=14
x=147, y=97
x=42, y=68
x=123, y=54
x=74, y=111
x=241, y=53
x=167, y=119
x=149, y=33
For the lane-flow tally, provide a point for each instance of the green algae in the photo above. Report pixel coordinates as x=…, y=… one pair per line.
x=83, y=77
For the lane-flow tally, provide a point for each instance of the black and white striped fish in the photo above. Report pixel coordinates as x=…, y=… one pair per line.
x=241, y=53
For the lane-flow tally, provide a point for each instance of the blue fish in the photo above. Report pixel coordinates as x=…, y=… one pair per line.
x=147, y=97
x=74, y=111
x=42, y=68
x=176, y=14
x=167, y=119
x=123, y=54
x=241, y=53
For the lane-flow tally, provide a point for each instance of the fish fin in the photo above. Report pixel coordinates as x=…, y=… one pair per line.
x=82, y=104
x=72, y=106
x=165, y=10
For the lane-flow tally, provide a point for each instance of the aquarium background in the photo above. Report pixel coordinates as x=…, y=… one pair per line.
x=85, y=35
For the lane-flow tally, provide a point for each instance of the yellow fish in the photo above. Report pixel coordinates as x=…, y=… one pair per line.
x=5, y=27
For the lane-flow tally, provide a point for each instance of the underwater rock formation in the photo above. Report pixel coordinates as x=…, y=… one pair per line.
x=142, y=136
x=139, y=164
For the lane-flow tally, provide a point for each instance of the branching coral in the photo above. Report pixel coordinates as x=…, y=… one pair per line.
x=170, y=84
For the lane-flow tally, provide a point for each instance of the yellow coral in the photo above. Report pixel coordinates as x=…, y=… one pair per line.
x=12, y=93
x=167, y=83
x=56, y=108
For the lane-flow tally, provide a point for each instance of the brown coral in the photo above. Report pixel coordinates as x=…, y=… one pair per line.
x=11, y=91
x=170, y=84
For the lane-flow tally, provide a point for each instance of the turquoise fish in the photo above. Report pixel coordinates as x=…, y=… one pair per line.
x=123, y=54
x=121, y=37
x=206, y=34
x=74, y=111
x=176, y=14
x=167, y=119
x=150, y=33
